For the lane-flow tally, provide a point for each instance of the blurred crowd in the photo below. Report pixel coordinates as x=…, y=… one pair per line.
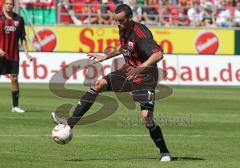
x=166, y=13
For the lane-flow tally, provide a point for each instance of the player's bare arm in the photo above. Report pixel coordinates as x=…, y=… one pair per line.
x=24, y=44
x=153, y=59
x=101, y=58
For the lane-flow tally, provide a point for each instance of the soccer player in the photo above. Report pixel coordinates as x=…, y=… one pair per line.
x=139, y=75
x=11, y=30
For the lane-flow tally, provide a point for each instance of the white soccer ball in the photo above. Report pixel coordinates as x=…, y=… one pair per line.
x=62, y=134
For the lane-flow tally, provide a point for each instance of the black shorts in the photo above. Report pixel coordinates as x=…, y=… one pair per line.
x=142, y=90
x=9, y=67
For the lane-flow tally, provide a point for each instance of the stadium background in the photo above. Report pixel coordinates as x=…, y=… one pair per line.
x=200, y=119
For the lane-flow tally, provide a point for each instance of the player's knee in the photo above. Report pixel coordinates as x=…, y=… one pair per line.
x=14, y=78
x=147, y=119
x=143, y=116
x=100, y=85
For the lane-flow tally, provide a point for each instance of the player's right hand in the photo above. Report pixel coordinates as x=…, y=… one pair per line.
x=2, y=53
x=97, y=57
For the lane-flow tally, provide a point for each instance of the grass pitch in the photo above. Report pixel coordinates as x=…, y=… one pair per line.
x=201, y=127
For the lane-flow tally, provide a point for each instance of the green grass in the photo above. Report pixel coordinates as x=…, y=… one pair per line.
x=210, y=139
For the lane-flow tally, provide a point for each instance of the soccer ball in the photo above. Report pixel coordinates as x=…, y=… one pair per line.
x=62, y=134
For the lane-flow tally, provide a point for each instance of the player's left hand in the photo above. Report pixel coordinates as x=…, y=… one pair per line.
x=133, y=72
x=29, y=57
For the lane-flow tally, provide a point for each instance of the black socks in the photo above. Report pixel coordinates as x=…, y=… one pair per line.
x=15, y=98
x=157, y=137
x=83, y=106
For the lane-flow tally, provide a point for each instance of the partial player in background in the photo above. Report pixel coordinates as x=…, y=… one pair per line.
x=11, y=31
x=1, y=3
x=139, y=75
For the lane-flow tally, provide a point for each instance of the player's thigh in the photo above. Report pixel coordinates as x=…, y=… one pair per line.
x=145, y=98
x=117, y=82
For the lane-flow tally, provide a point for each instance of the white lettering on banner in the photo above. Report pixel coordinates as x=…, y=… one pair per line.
x=46, y=40
x=208, y=43
x=179, y=70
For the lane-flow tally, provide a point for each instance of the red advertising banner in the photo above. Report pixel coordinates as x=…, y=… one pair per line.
x=39, y=3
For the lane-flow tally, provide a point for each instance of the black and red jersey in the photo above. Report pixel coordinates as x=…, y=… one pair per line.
x=11, y=30
x=138, y=44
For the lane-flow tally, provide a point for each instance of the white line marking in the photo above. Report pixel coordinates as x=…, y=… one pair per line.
x=120, y=135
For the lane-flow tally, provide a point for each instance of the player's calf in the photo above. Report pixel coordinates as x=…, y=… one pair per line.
x=87, y=101
x=155, y=134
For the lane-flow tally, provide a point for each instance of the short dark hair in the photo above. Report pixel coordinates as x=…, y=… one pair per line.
x=124, y=8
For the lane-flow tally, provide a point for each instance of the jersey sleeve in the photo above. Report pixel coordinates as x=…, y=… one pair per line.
x=145, y=41
x=22, y=29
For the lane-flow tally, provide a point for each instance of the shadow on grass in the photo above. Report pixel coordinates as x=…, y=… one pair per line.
x=186, y=158
x=39, y=110
x=136, y=158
